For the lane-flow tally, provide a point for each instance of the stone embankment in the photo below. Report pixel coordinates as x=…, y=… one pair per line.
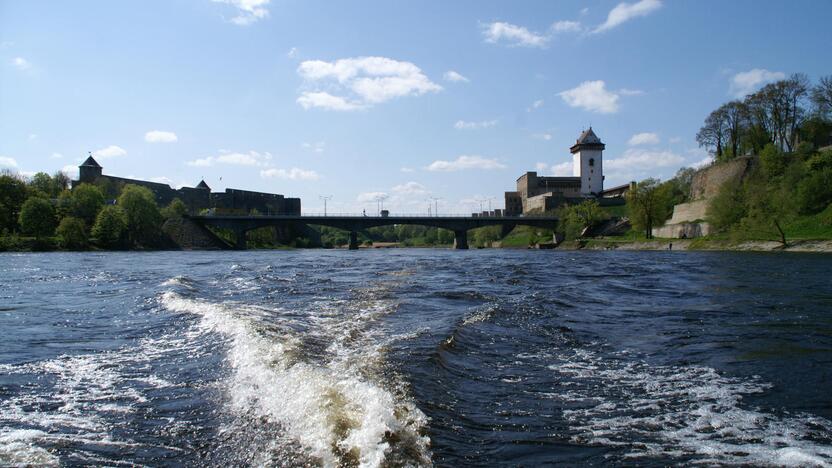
x=818, y=246
x=188, y=235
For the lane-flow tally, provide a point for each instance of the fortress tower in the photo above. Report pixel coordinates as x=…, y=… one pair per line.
x=587, y=162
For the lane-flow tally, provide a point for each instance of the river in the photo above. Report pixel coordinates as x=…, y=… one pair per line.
x=415, y=357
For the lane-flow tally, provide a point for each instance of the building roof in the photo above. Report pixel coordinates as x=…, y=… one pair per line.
x=589, y=140
x=90, y=162
x=203, y=185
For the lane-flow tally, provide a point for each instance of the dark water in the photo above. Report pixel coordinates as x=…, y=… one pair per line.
x=415, y=357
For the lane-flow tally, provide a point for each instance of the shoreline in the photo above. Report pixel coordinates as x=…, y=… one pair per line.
x=700, y=244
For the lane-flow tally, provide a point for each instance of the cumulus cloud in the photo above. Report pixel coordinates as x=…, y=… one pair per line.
x=567, y=27
x=512, y=35
x=591, y=96
x=366, y=81
x=406, y=169
x=111, y=151
x=562, y=169
x=630, y=92
x=646, y=138
x=410, y=188
x=56, y=156
x=367, y=197
x=624, y=12
x=289, y=174
x=70, y=170
x=317, y=147
x=454, y=77
x=465, y=162
x=537, y=104
x=160, y=136
x=252, y=158
x=745, y=83
x=6, y=161
x=248, y=11
x=636, y=159
x=21, y=63
x=463, y=125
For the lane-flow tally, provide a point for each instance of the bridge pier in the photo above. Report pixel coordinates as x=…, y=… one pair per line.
x=240, y=239
x=353, y=240
x=461, y=239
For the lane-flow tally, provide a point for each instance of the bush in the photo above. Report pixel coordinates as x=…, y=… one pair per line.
x=37, y=218
x=109, y=227
x=71, y=233
x=727, y=207
x=86, y=202
x=773, y=161
x=814, y=192
x=175, y=209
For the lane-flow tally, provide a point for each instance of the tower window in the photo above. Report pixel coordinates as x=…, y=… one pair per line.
x=591, y=162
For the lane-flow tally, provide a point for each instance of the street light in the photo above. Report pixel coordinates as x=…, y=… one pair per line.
x=380, y=202
x=325, y=198
x=435, y=205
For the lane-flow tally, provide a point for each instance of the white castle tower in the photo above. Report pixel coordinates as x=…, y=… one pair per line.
x=587, y=162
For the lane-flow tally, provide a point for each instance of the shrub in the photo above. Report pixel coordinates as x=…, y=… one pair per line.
x=71, y=233
x=37, y=218
x=814, y=192
x=175, y=209
x=727, y=207
x=86, y=202
x=141, y=213
x=109, y=227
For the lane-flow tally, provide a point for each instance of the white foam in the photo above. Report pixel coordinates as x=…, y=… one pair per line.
x=328, y=407
x=690, y=411
x=18, y=448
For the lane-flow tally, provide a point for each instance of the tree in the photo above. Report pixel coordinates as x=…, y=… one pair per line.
x=86, y=202
x=727, y=208
x=778, y=108
x=42, y=182
x=647, y=206
x=37, y=218
x=822, y=97
x=72, y=233
x=175, y=209
x=576, y=219
x=814, y=192
x=109, y=227
x=141, y=213
x=773, y=161
x=713, y=133
x=12, y=196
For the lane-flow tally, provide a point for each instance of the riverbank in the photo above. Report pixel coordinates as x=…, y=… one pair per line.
x=820, y=246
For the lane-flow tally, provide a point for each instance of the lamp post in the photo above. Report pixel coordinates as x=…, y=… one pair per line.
x=325, y=198
x=435, y=205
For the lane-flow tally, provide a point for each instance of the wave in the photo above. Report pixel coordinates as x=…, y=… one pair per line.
x=330, y=407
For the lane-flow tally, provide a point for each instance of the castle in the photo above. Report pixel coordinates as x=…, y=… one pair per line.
x=232, y=201
x=543, y=193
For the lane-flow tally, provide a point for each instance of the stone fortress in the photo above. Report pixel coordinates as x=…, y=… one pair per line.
x=197, y=199
x=537, y=194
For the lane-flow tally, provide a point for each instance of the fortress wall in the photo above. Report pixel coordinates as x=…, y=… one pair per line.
x=707, y=182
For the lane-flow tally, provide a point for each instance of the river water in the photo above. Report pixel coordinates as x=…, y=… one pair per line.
x=415, y=358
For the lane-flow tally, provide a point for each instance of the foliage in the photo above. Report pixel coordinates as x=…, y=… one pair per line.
x=175, y=209
x=773, y=161
x=647, y=206
x=575, y=219
x=37, y=217
x=814, y=193
x=85, y=203
x=110, y=226
x=12, y=195
x=484, y=236
x=71, y=233
x=141, y=214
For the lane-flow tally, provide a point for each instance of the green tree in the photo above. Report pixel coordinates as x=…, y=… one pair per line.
x=141, y=213
x=42, y=182
x=87, y=200
x=773, y=161
x=109, y=227
x=12, y=196
x=175, y=209
x=814, y=192
x=37, y=218
x=727, y=208
x=647, y=206
x=72, y=233
x=576, y=219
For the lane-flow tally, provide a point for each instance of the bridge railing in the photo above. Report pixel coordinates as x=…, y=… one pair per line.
x=330, y=214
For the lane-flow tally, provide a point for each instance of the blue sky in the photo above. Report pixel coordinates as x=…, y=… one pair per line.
x=405, y=100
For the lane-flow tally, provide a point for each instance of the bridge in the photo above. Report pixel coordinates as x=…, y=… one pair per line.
x=458, y=224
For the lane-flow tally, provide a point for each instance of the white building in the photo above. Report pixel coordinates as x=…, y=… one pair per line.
x=588, y=163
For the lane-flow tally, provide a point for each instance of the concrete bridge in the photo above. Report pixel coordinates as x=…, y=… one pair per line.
x=458, y=224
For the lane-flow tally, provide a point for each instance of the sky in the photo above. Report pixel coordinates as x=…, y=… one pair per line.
x=428, y=103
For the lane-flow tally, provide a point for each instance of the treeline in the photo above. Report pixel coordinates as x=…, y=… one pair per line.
x=785, y=113
x=42, y=213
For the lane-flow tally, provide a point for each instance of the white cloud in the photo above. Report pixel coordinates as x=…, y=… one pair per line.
x=646, y=138
x=327, y=101
x=6, y=161
x=635, y=159
x=252, y=158
x=513, y=35
x=584, y=11
x=706, y=161
x=567, y=26
x=367, y=197
x=162, y=180
x=674, y=140
x=537, y=104
x=411, y=188
x=21, y=63
x=624, y=12
x=465, y=162
x=71, y=171
x=463, y=125
x=249, y=11
x=591, y=96
x=160, y=136
x=747, y=82
x=542, y=136
x=111, y=151
x=630, y=92
x=33, y=136
x=454, y=77
x=290, y=174
x=367, y=81
x=541, y=167
x=56, y=156
x=293, y=53
x=563, y=169
x=406, y=169
x=317, y=147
